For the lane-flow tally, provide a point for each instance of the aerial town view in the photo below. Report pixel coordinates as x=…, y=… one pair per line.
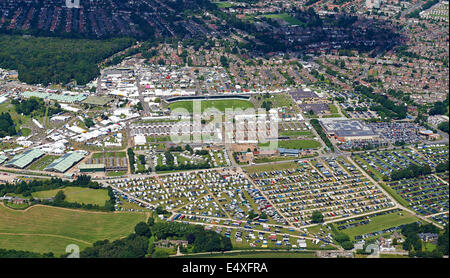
x=224, y=129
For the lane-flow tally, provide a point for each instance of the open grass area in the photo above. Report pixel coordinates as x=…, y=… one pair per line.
x=381, y=222
x=43, y=162
x=50, y=229
x=256, y=254
x=19, y=120
x=220, y=105
x=289, y=19
x=78, y=194
x=271, y=159
x=306, y=133
x=115, y=173
x=295, y=144
x=270, y=167
x=223, y=5
x=25, y=131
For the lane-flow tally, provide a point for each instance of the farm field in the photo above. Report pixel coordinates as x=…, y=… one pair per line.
x=78, y=194
x=49, y=229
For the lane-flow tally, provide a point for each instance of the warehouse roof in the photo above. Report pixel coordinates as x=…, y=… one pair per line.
x=91, y=166
x=66, y=161
x=3, y=158
x=57, y=97
x=25, y=158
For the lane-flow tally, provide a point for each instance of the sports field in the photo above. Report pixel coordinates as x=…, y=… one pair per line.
x=78, y=194
x=289, y=19
x=49, y=229
x=220, y=105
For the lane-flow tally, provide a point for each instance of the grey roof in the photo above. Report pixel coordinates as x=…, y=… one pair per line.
x=25, y=158
x=66, y=161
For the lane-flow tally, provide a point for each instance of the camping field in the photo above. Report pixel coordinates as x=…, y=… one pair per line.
x=256, y=254
x=78, y=194
x=50, y=229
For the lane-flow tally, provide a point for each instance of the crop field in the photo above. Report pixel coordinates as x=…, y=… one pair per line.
x=50, y=229
x=78, y=194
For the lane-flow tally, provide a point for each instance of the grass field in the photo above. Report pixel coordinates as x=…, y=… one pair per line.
x=382, y=222
x=297, y=133
x=78, y=194
x=116, y=173
x=220, y=105
x=295, y=144
x=256, y=254
x=270, y=167
x=289, y=19
x=223, y=4
x=43, y=162
x=271, y=159
x=49, y=229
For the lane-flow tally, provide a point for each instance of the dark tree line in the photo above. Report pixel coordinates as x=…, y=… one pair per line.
x=57, y=60
x=7, y=126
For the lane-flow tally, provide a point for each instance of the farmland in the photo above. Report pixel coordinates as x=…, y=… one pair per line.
x=49, y=229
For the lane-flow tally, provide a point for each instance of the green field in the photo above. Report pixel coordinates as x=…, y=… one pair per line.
x=223, y=5
x=220, y=105
x=109, y=154
x=381, y=222
x=43, y=162
x=256, y=254
x=271, y=159
x=116, y=173
x=297, y=133
x=295, y=144
x=78, y=194
x=289, y=19
x=49, y=229
x=270, y=167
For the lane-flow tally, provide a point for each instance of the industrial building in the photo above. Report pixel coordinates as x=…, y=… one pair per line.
x=56, y=97
x=24, y=159
x=65, y=162
x=343, y=130
x=92, y=167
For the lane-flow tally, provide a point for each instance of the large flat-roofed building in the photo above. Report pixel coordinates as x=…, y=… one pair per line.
x=65, y=162
x=24, y=159
x=56, y=97
x=92, y=167
x=344, y=130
